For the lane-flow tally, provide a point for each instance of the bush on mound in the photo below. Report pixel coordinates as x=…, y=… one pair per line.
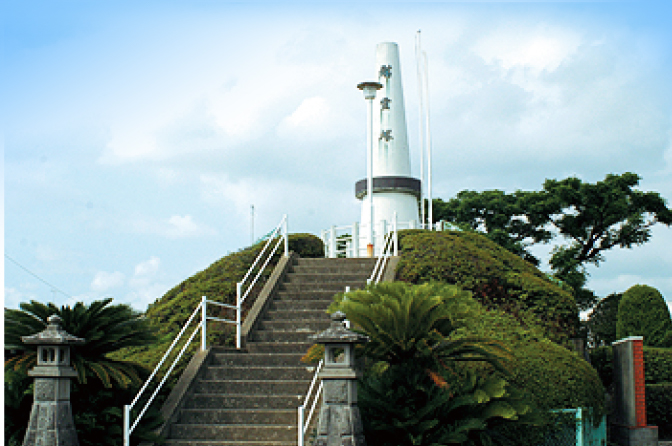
x=642, y=311
x=496, y=277
x=217, y=282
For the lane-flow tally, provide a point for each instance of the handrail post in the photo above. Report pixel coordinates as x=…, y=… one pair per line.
x=286, y=235
x=127, y=422
x=300, y=425
x=239, y=289
x=204, y=319
x=396, y=238
x=332, y=243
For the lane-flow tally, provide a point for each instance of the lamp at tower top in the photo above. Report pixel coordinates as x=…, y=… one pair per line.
x=369, y=89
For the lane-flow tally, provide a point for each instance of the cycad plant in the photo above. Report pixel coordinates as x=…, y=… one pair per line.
x=104, y=385
x=412, y=323
x=105, y=328
x=422, y=387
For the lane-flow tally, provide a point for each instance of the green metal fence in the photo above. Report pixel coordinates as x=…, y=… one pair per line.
x=574, y=428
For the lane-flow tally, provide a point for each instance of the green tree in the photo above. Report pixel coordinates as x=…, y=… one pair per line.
x=592, y=217
x=643, y=312
x=602, y=320
x=598, y=217
x=509, y=220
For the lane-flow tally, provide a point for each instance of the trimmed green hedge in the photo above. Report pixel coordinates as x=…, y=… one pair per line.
x=659, y=408
x=217, y=282
x=643, y=311
x=496, y=277
x=553, y=376
x=657, y=364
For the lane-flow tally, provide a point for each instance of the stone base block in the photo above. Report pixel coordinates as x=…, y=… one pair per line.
x=634, y=436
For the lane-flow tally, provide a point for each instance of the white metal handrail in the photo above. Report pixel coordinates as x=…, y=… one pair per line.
x=304, y=422
x=391, y=243
x=202, y=325
x=347, y=240
x=241, y=294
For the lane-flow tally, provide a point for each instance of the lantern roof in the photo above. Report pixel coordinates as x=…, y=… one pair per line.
x=337, y=333
x=53, y=334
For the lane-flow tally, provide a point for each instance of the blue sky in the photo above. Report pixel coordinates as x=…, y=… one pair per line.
x=138, y=134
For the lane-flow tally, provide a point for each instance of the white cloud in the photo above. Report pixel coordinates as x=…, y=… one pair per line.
x=516, y=45
x=309, y=117
x=147, y=268
x=104, y=281
x=175, y=227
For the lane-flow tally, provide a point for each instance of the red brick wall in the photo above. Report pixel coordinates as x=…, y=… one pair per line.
x=640, y=401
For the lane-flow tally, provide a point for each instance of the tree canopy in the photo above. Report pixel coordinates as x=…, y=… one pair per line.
x=642, y=311
x=590, y=218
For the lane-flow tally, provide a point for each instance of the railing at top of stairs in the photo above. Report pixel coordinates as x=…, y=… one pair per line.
x=391, y=247
x=242, y=292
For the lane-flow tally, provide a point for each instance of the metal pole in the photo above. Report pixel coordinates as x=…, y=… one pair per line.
x=301, y=425
x=429, y=147
x=396, y=238
x=355, y=239
x=251, y=224
x=369, y=165
x=204, y=320
x=284, y=229
x=332, y=243
x=127, y=421
x=239, y=288
x=418, y=61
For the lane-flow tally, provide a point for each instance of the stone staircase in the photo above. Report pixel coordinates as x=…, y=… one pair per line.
x=250, y=397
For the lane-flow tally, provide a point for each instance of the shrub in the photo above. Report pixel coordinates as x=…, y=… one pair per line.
x=659, y=408
x=554, y=376
x=415, y=392
x=657, y=364
x=548, y=376
x=602, y=320
x=496, y=277
x=218, y=282
x=643, y=312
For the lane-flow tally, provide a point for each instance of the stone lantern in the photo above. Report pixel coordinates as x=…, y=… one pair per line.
x=51, y=415
x=340, y=422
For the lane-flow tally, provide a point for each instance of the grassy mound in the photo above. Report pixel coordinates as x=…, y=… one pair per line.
x=217, y=282
x=496, y=277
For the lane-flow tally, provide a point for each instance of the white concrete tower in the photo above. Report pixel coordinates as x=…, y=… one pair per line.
x=394, y=190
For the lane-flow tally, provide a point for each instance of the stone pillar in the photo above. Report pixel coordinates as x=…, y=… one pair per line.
x=628, y=425
x=51, y=415
x=340, y=423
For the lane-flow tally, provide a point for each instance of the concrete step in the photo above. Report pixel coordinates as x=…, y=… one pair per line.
x=299, y=372
x=298, y=313
x=298, y=325
x=296, y=304
x=282, y=336
x=256, y=359
x=333, y=287
x=256, y=432
x=363, y=262
x=215, y=401
x=228, y=443
x=238, y=416
x=324, y=278
x=271, y=347
x=362, y=273
x=275, y=387
x=308, y=295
